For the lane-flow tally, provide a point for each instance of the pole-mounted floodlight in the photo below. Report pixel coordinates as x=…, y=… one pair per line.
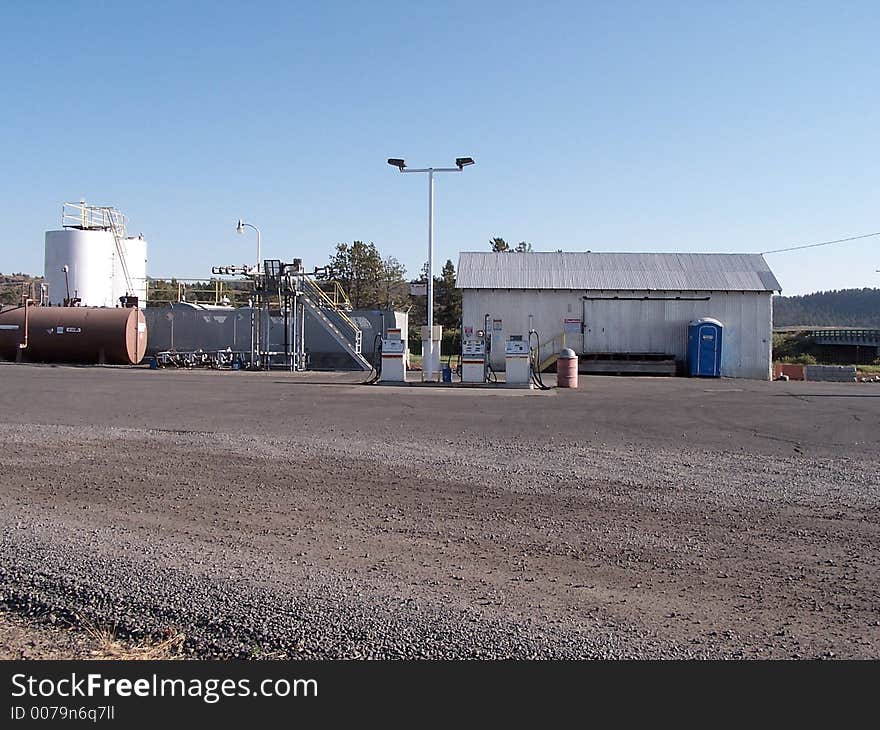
x=460, y=164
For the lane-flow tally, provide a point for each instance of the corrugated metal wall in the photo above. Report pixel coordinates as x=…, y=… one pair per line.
x=629, y=324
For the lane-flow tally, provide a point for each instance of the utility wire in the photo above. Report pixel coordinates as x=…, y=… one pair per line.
x=824, y=243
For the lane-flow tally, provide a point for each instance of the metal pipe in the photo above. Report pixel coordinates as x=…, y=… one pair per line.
x=267, y=343
x=66, y=269
x=429, y=374
x=302, y=337
x=23, y=345
x=253, y=330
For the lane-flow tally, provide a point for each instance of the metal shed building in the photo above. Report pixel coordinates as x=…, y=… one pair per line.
x=623, y=302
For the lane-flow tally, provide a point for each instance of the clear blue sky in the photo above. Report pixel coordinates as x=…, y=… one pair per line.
x=610, y=126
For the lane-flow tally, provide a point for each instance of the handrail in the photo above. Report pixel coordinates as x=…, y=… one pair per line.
x=552, y=348
x=119, y=238
x=340, y=292
x=82, y=215
x=845, y=333
x=339, y=297
x=204, y=291
x=325, y=300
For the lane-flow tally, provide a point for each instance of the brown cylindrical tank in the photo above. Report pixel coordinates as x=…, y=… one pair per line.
x=89, y=335
x=567, y=369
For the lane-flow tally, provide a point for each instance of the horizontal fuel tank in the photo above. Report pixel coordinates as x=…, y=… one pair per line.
x=89, y=335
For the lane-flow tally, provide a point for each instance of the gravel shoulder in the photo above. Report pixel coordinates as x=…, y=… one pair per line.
x=276, y=516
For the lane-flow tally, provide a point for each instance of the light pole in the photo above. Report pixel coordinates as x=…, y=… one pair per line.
x=255, y=325
x=460, y=164
x=240, y=229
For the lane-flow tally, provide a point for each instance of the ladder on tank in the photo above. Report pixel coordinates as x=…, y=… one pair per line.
x=117, y=227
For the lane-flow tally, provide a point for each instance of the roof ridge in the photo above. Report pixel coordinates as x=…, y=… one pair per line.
x=611, y=270
x=625, y=253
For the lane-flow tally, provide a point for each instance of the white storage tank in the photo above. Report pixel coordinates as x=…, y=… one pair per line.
x=103, y=264
x=89, y=256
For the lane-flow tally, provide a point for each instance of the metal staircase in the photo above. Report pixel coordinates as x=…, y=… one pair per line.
x=550, y=351
x=332, y=316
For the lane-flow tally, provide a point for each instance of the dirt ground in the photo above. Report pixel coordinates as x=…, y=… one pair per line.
x=304, y=515
x=22, y=639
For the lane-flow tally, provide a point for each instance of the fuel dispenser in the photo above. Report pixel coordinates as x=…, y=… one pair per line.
x=393, y=357
x=517, y=362
x=473, y=360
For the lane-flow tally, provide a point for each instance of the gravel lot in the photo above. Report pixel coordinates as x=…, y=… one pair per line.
x=303, y=515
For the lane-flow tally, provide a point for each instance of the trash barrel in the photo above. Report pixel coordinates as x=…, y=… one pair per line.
x=567, y=369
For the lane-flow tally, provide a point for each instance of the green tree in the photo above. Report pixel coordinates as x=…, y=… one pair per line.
x=500, y=245
x=394, y=289
x=843, y=308
x=447, y=305
x=161, y=291
x=359, y=268
x=448, y=297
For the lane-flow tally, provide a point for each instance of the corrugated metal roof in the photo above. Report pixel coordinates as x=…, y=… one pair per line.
x=630, y=271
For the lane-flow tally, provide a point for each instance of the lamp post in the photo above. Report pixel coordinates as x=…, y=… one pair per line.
x=460, y=164
x=240, y=229
x=255, y=327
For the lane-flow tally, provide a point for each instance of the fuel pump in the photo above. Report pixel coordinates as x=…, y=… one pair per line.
x=517, y=362
x=473, y=359
x=393, y=363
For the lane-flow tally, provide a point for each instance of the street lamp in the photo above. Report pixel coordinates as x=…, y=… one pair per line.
x=240, y=229
x=460, y=164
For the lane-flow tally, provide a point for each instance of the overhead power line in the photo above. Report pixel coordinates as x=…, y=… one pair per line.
x=823, y=243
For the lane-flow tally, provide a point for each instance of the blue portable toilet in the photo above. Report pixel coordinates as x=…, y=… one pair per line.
x=704, y=348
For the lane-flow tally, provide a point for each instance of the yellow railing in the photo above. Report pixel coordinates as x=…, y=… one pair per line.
x=311, y=286
x=235, y=292
x=216, y=292
x=82, y=215
x=550, y=351
x=335, y=294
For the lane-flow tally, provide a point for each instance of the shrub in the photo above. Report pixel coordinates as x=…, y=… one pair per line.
x=802, y=359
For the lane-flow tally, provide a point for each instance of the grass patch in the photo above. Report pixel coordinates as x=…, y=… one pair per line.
x=108, y=645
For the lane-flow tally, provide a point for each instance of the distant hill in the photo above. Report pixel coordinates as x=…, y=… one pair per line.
x=843, y=308
x=12, y=286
